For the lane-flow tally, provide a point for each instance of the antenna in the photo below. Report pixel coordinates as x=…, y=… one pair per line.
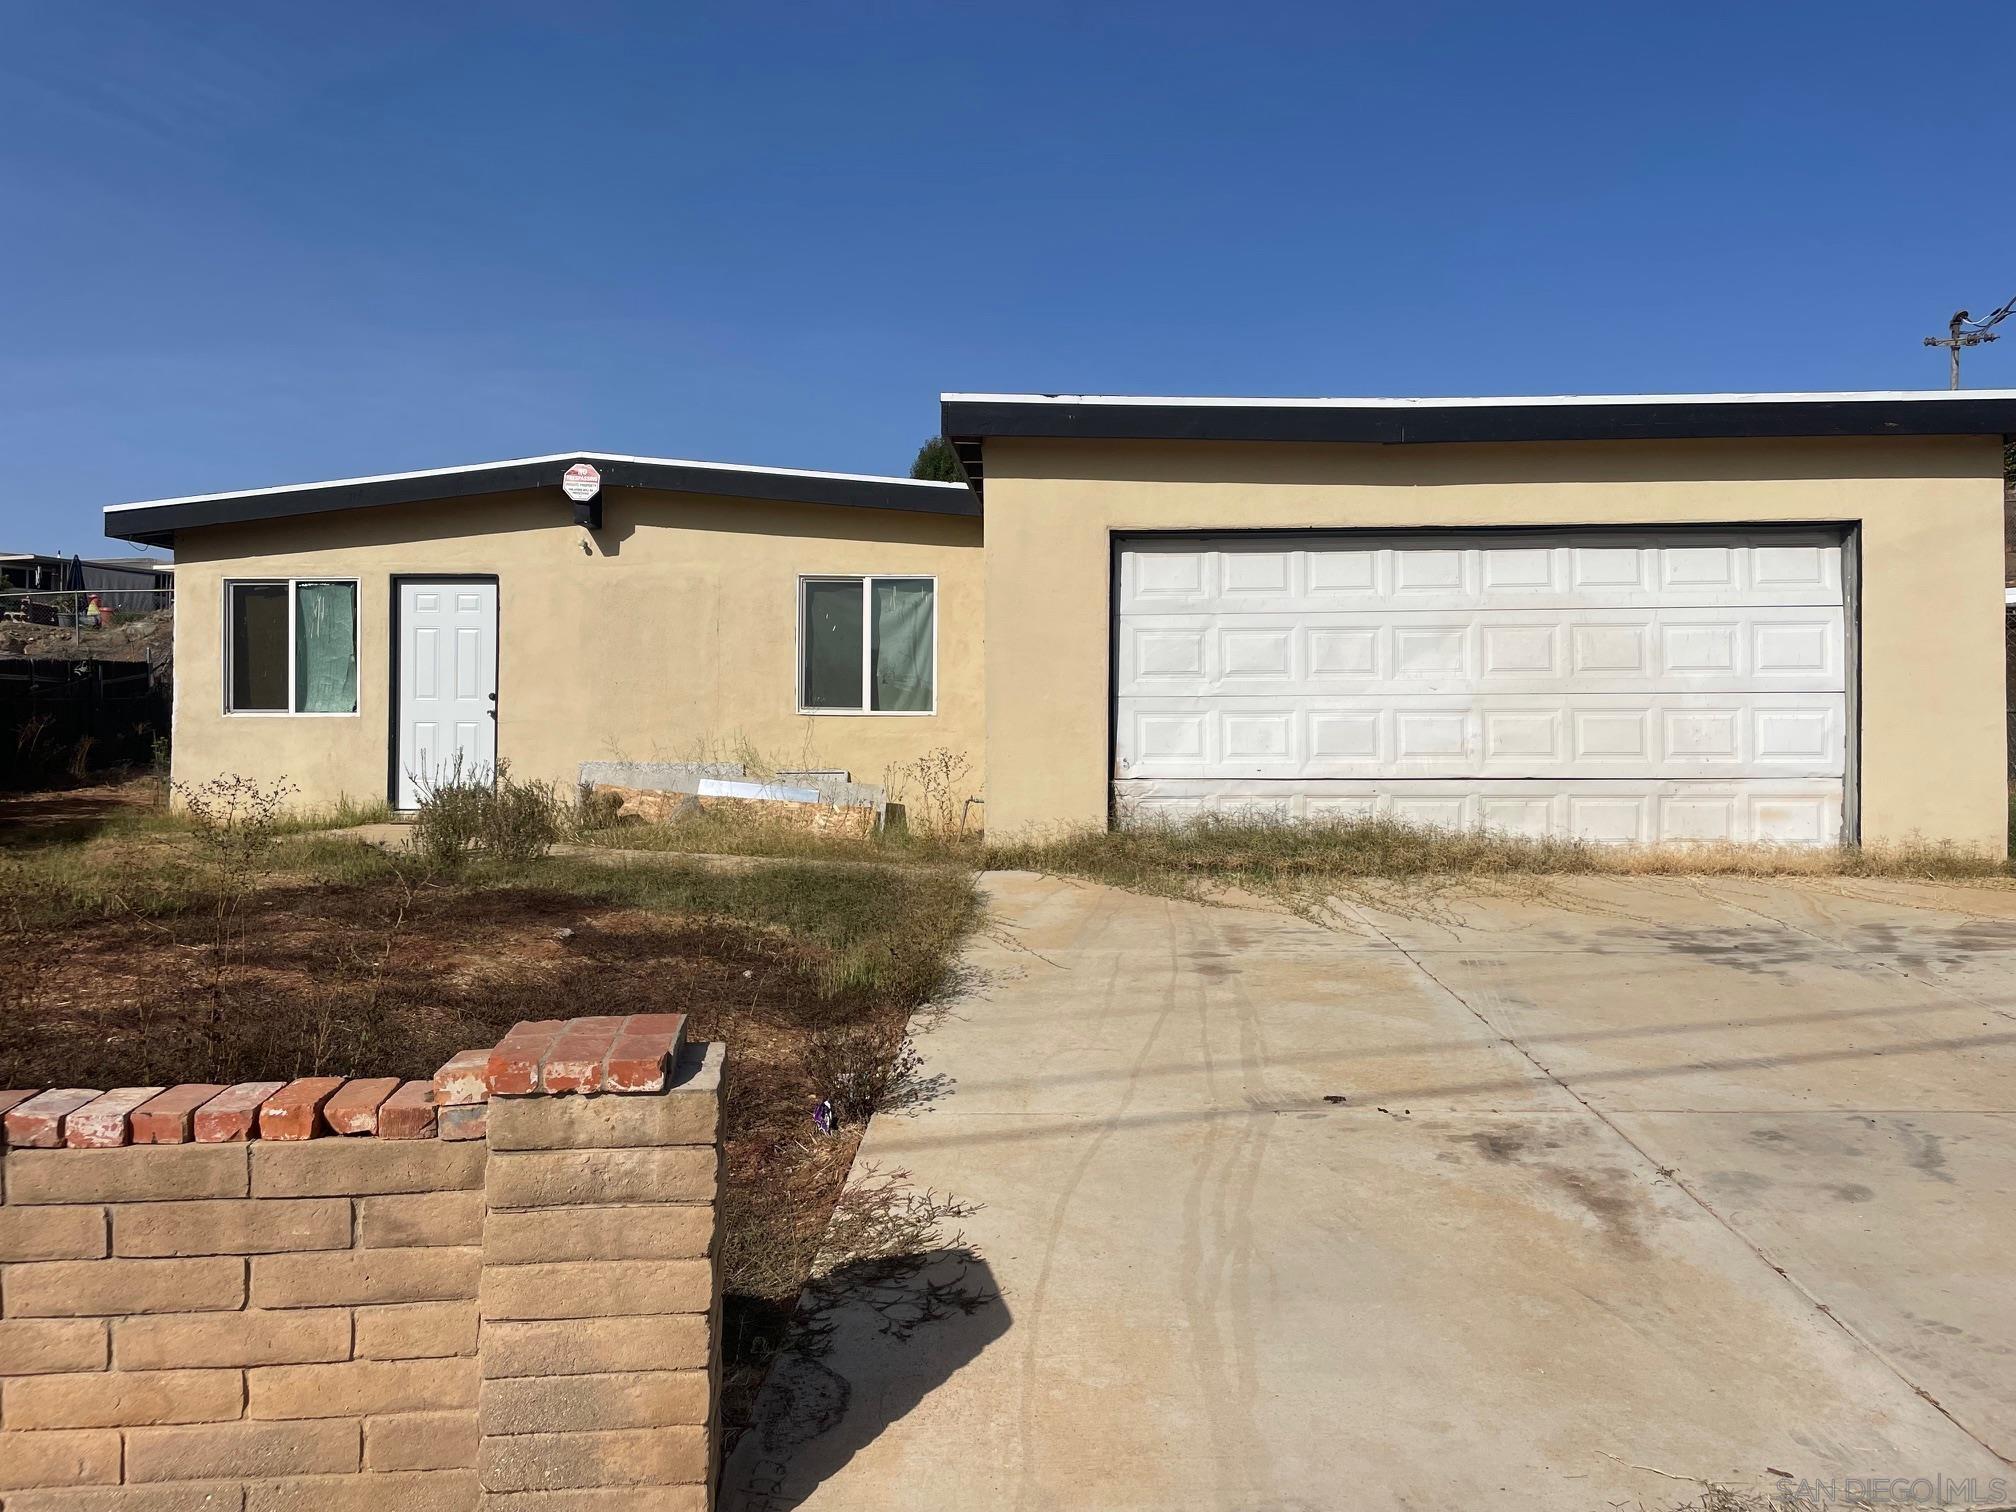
x=1965, y=331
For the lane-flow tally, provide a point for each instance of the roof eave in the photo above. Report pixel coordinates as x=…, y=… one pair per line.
x=970, y=420
x=155, y=523
x=1568, y=418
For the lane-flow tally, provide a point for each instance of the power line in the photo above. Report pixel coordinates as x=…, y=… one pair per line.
x=1993, y=320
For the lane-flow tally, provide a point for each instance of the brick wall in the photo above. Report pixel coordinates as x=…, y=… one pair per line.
x=494, y=1290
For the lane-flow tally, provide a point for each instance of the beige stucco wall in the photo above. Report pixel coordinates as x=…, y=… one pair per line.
x=1932, y=759
x=667, y=635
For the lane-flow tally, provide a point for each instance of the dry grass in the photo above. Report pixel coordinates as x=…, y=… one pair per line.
x=1217, y=853
x=725, y=831
x=122, y=970
x=1214, y=854
x=138, y=808
x=933, y=811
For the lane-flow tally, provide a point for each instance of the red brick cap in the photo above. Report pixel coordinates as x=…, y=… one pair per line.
x=233, y=1114
x=170, y=1117
x=601, y=1054
x=354, y=1108
x=462, y=1079
x=606, y=1053
x=574, y=1064
x=408, y=1113
x=36, y=1123
x=295, y=1111
x=10, y=1098
x=512, y=1068
x=104, y=1123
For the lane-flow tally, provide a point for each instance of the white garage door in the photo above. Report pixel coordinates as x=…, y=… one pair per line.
x=1642, y=686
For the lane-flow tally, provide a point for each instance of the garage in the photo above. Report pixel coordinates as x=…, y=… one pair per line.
x=1620, y=685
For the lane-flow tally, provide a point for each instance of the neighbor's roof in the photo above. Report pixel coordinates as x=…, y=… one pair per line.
x=64, y=558
x=153, y=522
x=971, y=419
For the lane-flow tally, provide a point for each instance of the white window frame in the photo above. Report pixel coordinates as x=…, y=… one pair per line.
x=293, y=585
x=867, y=580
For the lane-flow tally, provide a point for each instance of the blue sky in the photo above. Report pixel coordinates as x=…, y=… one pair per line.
x=262, y=244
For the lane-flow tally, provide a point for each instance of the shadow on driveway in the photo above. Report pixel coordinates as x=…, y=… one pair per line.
x=874, y=1339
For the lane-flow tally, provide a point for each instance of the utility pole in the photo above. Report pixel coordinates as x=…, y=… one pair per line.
x=1964, y=331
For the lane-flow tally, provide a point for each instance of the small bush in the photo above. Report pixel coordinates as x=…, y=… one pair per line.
x=595, y=810
x=933, y=791
x=468, y=810
x=851, y=1068
x=522, y=820
x=235, y=817
x=449, y=822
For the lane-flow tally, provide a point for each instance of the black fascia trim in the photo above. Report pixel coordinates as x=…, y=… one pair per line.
x=791, y=488
x=156, y=525
x=971, y=421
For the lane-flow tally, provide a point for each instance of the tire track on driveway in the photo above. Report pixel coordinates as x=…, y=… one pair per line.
x=1680, y=1183
x=1032, y=1310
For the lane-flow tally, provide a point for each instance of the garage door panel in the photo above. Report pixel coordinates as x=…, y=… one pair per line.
x=1735, y=649
x=1619, y=685
x=1565, y=569
x=1491, y=735
x=1803, y=811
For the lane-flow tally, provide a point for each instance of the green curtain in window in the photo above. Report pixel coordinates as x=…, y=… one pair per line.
x=325, y=651
x=902, y=644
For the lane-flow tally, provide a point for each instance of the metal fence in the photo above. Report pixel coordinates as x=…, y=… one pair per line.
x=84, y=681
x=68, y=717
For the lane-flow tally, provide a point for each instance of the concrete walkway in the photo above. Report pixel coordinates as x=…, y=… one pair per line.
x=1514, y=1203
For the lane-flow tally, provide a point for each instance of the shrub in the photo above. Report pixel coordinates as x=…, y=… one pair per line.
x=596, y=810
x=450, y=818
x=468, y=809
x=933, y=790
x=522, y=819
x=235, y=817
x=852, y=1068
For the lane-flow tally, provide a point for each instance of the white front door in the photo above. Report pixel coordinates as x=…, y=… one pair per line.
x=1617, y=685
x=447, y=686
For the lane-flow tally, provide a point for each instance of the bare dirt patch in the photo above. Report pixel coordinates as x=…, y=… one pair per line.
x=78, y=814
x=126, y=967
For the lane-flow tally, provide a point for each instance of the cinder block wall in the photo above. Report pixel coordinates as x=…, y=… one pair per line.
x=496, y=1290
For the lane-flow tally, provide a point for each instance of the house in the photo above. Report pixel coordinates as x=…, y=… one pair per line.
x=1762, y=616
x=136, y=583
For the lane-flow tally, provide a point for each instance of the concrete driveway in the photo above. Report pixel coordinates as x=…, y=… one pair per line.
x=1556, y=1202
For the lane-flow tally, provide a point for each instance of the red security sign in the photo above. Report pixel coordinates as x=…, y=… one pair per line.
x=581, y=483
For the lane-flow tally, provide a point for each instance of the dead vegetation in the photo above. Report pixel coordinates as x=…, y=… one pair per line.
x=933, y=819
x=490, y=813
x=157, y=950
x=1308, y=866
x=888, y=1247
x=1296, y=862
x=1304, y=861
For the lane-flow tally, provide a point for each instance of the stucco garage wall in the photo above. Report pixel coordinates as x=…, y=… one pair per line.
x=1931, y=720
x=673, y=626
